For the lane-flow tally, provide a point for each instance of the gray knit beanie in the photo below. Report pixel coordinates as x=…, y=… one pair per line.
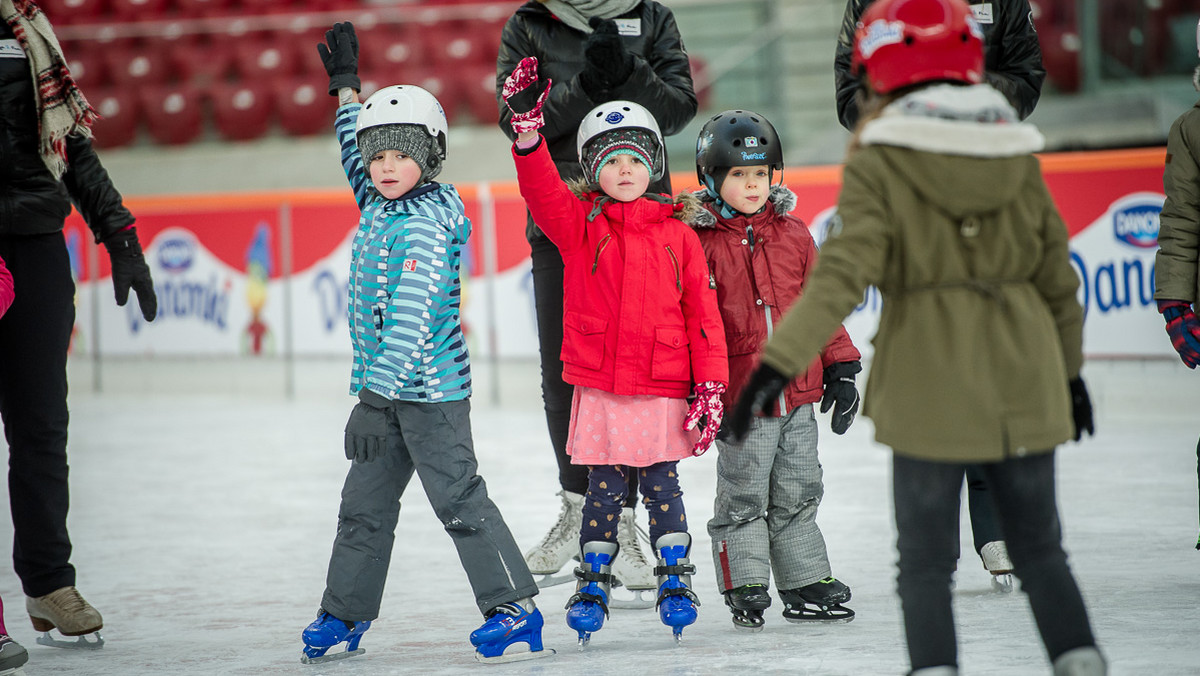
x=411, y=139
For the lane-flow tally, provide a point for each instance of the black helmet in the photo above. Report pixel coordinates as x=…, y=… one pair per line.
x=736, y=138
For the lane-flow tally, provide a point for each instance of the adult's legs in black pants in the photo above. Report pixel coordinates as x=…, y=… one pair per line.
x=34, y=336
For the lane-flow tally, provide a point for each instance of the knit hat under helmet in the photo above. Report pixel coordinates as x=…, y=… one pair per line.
x=410, y=139
x=636, y=142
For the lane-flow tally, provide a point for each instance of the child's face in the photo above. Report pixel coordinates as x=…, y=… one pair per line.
x=624, y=178
x=393, y=173
x=746, y=188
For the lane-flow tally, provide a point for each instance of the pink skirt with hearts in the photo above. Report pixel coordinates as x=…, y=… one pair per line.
x=634, y=430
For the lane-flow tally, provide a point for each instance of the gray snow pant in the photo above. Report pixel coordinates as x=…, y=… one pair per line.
x=435, y=441
x=764, y=517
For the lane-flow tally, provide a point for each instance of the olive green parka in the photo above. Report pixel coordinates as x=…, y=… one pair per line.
x=944, y=209
x=1175, y=264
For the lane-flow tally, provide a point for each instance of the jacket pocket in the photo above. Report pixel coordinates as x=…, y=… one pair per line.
x=583, y=340
x=743, y=342
x=671, y=358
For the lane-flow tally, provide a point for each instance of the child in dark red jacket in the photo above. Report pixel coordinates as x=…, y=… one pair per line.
x=640, y=327
x=769, y=487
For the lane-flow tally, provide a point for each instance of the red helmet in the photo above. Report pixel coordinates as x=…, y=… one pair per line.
x=902, y=42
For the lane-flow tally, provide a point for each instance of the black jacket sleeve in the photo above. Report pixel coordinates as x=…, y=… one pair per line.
x=1014, y=58
x=845, y=84
x=92, y=191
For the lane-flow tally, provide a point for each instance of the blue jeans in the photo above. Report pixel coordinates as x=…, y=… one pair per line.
x=926, y=496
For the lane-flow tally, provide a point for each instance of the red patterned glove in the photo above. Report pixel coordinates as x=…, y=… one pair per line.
x=706, y=405
x=524, y=93
x=1184, y=330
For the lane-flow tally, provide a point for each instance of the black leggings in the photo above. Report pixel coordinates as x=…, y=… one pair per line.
x=926, y=497
x=556, y=394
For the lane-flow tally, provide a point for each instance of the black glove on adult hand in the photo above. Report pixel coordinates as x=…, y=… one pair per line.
x=761, y=390
x=340, y=56
x=606, y=61
x=366, y=431
x=1081, y=408
x=129, y=270
x=841, y=394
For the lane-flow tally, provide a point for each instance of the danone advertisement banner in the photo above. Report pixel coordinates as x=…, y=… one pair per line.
x=266, y=273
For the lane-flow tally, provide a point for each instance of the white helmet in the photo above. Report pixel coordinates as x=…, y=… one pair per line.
x=405, y=104
x=614, y=115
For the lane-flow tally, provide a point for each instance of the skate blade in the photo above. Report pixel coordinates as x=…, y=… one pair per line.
x=1002, y=583
x=81, y=643
x=516, y=656
x=547, y=580
x=305, y=659
x=15, y=671
x=642, y=600
x=749, y=628
x=810, y=619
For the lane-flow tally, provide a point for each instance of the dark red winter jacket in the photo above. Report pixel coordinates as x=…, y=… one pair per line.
x=759, y=264
x=639, y=316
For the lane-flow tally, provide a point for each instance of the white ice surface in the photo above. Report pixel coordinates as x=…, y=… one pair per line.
x=204, y=503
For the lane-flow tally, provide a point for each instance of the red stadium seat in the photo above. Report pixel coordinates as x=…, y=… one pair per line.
x=242, y=112
x=203, y=62
x=64, y=12
x=120, y=113
x=138, y=10
x=260, y=56
x=304, y=106
x=138, y=64
x=174, y=114
x=479, y=94
x=392, y=47
x=202, y=8
x=86, y=62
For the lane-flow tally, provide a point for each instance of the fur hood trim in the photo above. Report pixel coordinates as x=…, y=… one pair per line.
x=1196, y=78
x=781, y=198
x=687, y=205
x=973, y=121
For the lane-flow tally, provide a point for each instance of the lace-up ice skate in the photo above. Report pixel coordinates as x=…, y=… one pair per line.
x=587, y=609
x=64, y=609
x=559, y=546
x=995, y=559
x=12, y=655
x=820, y=601
x=327, y=631
x=747, y=604
x=512, y=632
x=630, y=569
x=676, y=600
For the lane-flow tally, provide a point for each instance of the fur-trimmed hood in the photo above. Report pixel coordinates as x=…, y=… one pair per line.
x=1196, y=78
x=688, y=206
x=782, y=200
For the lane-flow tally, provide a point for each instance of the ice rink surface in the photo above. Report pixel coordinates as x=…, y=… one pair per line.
x=204, y=504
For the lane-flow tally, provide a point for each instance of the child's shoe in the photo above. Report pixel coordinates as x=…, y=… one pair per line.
x=327, y=631
x=820, y=601
x=676, y=601
x=12, y=655
x=747, y=604
x=511, y=632
x=587, y=609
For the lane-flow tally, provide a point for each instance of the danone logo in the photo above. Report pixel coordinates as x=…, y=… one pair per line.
x=880, y=33
x=175, y=254
x=1135, y=219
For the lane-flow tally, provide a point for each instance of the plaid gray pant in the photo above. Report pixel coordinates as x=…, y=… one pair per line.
x=764, y=518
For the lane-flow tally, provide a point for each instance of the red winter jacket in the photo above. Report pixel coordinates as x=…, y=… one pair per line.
x=758, y=280
x=639, y=316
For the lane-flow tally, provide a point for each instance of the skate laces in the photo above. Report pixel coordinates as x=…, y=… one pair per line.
x=68, y=600
x=630, y=540
x=557, y=531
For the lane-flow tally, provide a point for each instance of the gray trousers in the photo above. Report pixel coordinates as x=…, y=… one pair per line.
x=435, y=441
x=764, y=517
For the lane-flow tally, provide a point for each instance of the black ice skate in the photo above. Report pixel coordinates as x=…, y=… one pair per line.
x=820, y=601
x=747, y=604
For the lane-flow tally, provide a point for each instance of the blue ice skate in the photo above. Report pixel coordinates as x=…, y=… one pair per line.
x=327, y=631
x=587, y=609
x=676, y=601
x=510, y=634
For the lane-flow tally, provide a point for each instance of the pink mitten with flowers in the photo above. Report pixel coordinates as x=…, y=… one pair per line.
x=707, y=406
x=524, y=93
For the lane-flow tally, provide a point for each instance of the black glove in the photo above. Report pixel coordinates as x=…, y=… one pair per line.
x=840, y=394
x=606, y=61
x=129, y=269
x=760, y=392
x=366, y=431
x=1081, y=408
x=340, y=56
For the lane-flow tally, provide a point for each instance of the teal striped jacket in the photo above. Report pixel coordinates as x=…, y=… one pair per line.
x=404, y=302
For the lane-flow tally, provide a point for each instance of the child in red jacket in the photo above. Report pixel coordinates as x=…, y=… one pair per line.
x=640, y=327
x=768, y=487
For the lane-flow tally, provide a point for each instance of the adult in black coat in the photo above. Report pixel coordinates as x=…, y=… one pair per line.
x=48, y=164
x=593, y=51
x=1012, y=57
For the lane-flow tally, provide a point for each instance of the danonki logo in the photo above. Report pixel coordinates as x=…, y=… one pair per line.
x=1114, y=283
x=179, y=296
x=175, y=254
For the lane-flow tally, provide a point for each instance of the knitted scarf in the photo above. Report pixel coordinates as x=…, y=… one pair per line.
x=62, y=109
x=575, y=13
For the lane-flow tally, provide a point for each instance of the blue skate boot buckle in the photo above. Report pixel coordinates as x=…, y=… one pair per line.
x=326, y=632
x=510, y=626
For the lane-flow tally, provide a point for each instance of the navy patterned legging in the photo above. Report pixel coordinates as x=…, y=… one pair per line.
x=607, y=489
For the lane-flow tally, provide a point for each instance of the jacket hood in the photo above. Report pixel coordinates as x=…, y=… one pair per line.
x=974, y=150
x=440, y=204
x=686, y=205
x=782, y=200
